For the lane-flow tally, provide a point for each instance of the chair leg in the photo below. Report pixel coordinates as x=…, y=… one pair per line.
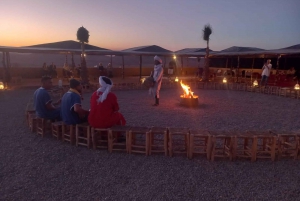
x=170, y=145
x=166, y=143
x=77, y=135
x=191, y=149
x=208, y=148
x=147, y=143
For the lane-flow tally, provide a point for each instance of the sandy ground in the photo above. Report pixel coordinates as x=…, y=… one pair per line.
x=35, y=168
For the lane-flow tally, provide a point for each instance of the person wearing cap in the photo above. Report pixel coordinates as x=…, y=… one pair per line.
x=104, y=111
x=266, y=72
x=157, y=77
x=72, y=112
x=43, y=104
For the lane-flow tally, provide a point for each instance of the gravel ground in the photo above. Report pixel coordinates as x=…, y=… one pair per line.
x=35, y=168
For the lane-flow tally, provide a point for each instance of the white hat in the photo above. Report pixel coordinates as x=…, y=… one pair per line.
x=106, y=85
x=156, y=58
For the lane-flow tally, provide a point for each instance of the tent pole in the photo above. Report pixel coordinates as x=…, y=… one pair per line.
x=123, y=66
x=140, y=66
x=226, y=63
x=111, y=61
x=238, y=69
x=252, y=68
x=181, y=64
x=285, y=61
x=277, y=68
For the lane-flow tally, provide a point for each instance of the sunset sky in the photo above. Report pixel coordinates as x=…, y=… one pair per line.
x=172, y=24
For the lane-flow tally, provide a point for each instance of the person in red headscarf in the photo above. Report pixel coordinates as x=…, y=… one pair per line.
x=104, y=112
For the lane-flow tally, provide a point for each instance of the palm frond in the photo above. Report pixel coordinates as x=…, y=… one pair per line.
x=207, y=31
x=83, y=35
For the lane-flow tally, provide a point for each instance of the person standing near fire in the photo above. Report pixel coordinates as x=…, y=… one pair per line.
x=157, y=78
x=266, y=73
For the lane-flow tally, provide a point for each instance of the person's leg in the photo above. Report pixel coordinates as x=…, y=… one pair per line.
x=262, y=80
x=266, y=80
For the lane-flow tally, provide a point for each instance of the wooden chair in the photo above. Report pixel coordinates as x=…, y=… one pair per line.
x=250, y=88
x=68, y=133
x=287, y=145
x=200, y=143
x=265, y=145
x=41, y=126
x=294, y=93
x=243, y=146
x=56, y=128
x=28, y=113
x=32, y=122
x=158, y=140
x=99, y=138
x=83, y=135
x=284, y=91
x=222, y=145
x=274, y=90
x=200, y=85
x=138, y=140
x=115, y=142
x=242, y=86
x=178, y=141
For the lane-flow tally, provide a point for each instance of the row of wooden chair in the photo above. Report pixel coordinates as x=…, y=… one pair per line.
x=272, y=90
x=170, y=141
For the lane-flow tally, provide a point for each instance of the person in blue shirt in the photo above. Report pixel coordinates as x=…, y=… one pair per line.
x=43, y=105
x=71, y=111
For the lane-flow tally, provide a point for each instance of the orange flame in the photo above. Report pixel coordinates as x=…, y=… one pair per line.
x=186, y=89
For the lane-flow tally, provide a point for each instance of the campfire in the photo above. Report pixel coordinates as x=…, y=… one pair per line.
x=188, y=98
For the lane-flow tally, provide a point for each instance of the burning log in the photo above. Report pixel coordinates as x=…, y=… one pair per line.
x=188, y=98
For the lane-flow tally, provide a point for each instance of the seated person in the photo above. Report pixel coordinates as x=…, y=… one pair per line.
x=104, y=106
x=100, y=67
x=43, y=103
x=71, y=110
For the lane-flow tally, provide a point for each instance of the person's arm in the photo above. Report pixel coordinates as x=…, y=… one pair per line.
x=47, y=100
x=50, y=106
x=80, y=111
x=57, y=102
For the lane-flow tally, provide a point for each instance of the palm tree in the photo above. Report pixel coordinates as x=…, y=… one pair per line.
x=83, y=37
x=207, y=31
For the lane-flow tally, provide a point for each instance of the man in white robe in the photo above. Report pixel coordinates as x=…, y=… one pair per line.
x=157, y=76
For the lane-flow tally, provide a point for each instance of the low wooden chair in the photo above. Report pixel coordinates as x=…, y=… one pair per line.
x=68, y=133
x=287, y=145
x=284, y=91
x=99, y=138
x=32, y=122
x=56, y=128
x=115, y=142
x=274, y=90
x=42, y=126
x=179, y=140
x=28, y=113
x=250, y=88
x=83, y=135
x=158, y=140
x=294, y=93
x=243, y=146
x=265, y=145
x=200, y=143
x=200, y=85
x=222, y=145
x=138, y=140
x=242, y=87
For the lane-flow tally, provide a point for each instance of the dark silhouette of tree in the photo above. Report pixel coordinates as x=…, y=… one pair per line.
x=83, y=37
x=207, y=31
